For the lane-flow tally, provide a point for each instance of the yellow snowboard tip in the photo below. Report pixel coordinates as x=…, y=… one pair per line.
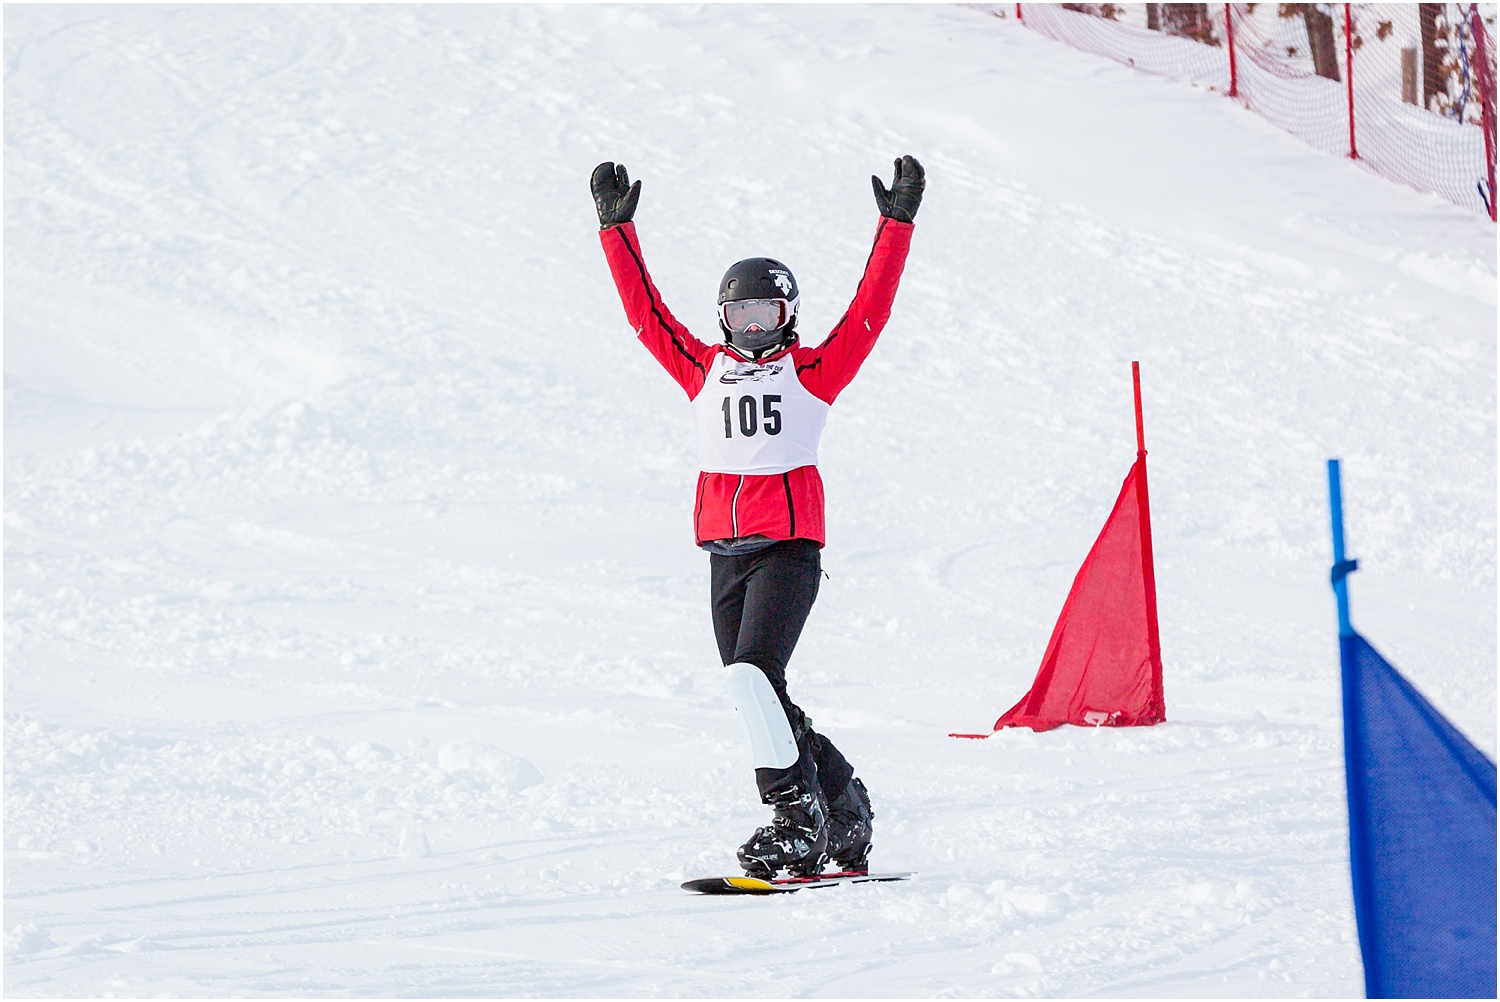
x=750, y=883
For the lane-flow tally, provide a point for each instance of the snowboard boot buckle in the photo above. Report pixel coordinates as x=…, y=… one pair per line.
x=796, y=840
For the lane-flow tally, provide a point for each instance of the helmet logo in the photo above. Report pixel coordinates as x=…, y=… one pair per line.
x=783, y=282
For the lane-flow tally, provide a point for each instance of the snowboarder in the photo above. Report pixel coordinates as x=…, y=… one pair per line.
x=760, y=400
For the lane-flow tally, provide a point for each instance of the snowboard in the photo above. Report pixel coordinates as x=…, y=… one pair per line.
x=783, y=885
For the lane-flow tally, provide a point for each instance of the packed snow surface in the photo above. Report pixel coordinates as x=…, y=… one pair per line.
x=355, y=640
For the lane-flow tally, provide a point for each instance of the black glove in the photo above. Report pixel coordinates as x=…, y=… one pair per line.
x=614, y=195
x=901, y=202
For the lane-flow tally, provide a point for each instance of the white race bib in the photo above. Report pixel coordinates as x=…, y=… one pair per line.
x=756, y=417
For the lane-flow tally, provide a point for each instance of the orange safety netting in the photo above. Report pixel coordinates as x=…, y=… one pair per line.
x=1407, y=90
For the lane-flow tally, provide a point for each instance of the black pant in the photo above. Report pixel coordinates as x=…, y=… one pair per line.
x=760, y=602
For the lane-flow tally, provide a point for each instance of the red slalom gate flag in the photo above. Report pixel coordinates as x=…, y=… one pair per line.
x=1103, y=664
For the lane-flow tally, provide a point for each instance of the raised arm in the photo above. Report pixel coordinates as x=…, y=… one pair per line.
x=682, y=355
x=832, y=365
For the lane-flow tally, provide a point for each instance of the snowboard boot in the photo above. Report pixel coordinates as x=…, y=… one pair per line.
x=796, y=839
x=850, y=824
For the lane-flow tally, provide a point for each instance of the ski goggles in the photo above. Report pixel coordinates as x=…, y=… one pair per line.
x=744, y=315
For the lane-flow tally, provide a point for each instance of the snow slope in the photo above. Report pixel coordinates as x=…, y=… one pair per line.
x=355, y=642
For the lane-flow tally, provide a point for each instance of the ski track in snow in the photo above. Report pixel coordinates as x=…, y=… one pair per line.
x=355, y=643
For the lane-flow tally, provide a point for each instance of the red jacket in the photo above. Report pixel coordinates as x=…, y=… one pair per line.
x=784, y=505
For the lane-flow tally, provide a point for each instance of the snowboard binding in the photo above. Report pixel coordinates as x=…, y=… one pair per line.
x=796, y=840
x=850, y=826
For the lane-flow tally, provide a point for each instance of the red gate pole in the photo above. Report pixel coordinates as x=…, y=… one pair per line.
x=1140, y=425
x=1018, y=14
x=1234, y=76
x=1349, y=76
x=1148, y=557
x=1486, y=81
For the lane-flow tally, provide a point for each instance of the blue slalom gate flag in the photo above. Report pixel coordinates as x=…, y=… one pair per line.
x=1421, y=838
x=1421, y=825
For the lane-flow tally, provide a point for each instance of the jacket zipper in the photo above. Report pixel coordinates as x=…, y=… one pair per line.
x=734, y=508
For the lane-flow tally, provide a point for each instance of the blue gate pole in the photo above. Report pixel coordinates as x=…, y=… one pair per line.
x=1341, y=566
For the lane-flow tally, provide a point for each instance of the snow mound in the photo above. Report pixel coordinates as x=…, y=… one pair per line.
x=27, y=937
x=413, y=844
x=487, y=763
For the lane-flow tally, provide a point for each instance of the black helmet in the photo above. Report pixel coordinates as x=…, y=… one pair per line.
x=758, y=306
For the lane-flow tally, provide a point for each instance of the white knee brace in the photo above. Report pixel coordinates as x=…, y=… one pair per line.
x=771, y=743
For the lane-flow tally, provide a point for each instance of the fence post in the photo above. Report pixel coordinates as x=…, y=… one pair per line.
x=1486, y=81
x=1234, y=76
x=1349, y=76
